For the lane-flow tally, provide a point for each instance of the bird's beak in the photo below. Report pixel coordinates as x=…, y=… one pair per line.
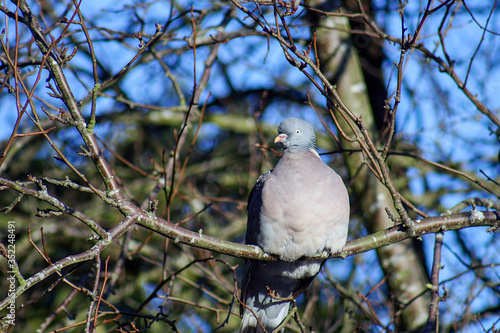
x=280, y=138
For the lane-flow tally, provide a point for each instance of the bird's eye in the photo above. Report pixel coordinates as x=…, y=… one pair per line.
x=298, y=131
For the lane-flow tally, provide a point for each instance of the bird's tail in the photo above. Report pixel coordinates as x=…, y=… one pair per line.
x=266, y=294
x=264, y=318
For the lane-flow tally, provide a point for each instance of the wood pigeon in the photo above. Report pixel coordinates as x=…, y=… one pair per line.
x=298, y=209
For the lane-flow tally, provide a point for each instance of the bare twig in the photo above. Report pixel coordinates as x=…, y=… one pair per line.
x=432, y=324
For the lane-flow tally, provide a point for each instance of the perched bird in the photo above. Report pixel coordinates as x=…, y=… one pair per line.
x=298, y=209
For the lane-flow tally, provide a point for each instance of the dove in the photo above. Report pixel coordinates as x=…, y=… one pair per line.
x=297, y=210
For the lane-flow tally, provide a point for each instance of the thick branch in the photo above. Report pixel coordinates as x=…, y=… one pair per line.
x=178, y=234
x=376, y=240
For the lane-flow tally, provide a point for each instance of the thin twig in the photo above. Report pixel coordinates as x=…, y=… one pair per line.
x=432, y=324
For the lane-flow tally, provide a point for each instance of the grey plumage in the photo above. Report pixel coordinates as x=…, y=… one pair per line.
x=299, y=209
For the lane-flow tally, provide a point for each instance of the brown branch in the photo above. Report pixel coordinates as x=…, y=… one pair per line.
x=43, y=195
x=102, y=291
x=446, y=68
x=70, y=260
x=94, y=63
x=181, y=137
x=432, y=324
x=374, y=241
x=60, y=308
x=89, y=325
x=67, y=96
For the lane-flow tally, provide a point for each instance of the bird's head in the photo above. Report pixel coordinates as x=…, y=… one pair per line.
x=296, y=134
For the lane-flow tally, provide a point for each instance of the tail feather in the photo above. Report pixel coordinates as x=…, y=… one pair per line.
x=284, y=280
x=255, y=319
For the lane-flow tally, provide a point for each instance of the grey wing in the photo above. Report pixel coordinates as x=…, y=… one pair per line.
x=253, y=210
x=253, y=228
x=247, y=273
